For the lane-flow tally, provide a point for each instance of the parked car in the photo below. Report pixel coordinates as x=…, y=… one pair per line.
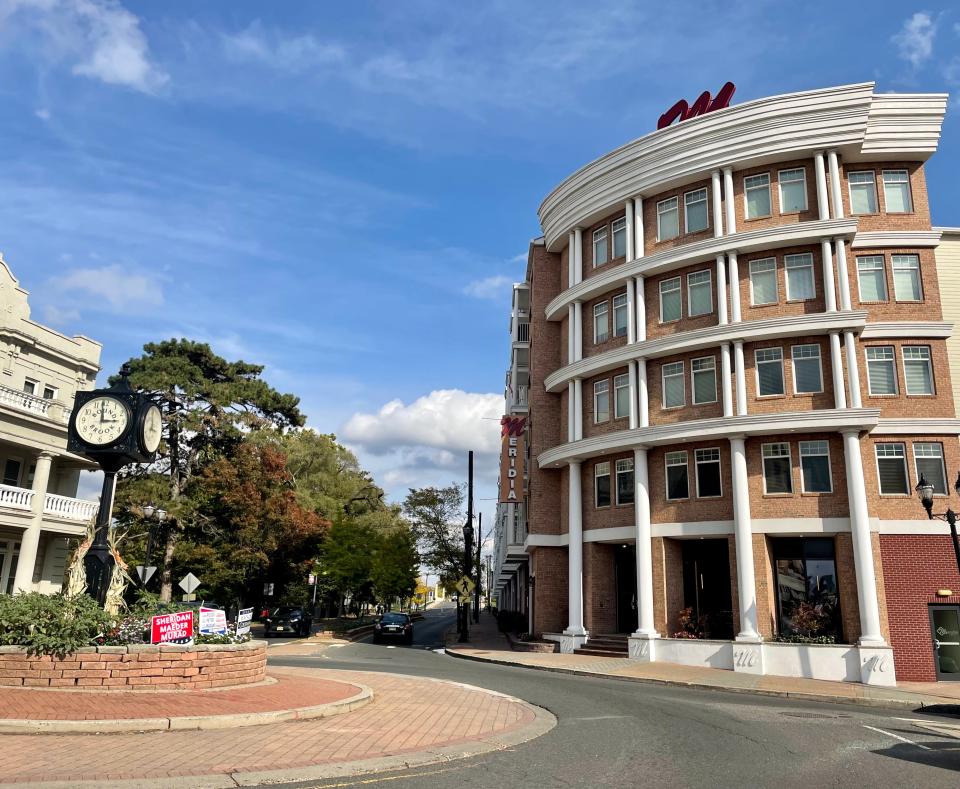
x=393, y=625
x=287, y=619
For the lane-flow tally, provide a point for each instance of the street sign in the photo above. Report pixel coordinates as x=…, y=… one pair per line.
x=311, y=579
x=189, y=583
x=268, y=590
x=464, y=586
x=244, y=618
x=213, y=621
x=145, y=573
x=168, y=628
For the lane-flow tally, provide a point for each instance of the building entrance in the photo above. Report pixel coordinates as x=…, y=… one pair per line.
x=706, y=589
x=625, y=564
x=945, y=629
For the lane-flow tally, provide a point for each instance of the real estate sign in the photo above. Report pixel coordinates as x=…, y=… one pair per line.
x=513, y=451
x=169, y=628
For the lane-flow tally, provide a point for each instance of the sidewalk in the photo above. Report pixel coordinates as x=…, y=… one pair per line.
x=489, y=645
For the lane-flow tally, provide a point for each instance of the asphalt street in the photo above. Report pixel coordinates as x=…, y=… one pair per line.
x=613, y=733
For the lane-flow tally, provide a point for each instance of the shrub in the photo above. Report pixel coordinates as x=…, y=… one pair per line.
x=51, y=624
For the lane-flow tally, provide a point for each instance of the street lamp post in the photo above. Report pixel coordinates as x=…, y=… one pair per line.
x=925, y=492
x=156, y=516
x=467, y=561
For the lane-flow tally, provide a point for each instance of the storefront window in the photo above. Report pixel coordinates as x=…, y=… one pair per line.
x=808, y=606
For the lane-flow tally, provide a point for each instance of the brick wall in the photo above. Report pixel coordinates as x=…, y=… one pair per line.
x=550, y=608
x=783, y=306
x=599, y=588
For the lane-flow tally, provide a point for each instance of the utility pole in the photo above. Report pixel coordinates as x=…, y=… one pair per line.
x=476, y=591
x=467, y=550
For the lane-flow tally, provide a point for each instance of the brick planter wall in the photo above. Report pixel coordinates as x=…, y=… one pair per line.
x=138, y=667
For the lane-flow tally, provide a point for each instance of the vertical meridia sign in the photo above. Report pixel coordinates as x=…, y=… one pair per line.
x=513, y=452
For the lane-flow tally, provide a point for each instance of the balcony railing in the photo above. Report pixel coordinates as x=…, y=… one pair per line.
x=22, y=401
x=16, y=498
x=70, y=509
x=523, y=331
x=520, y=396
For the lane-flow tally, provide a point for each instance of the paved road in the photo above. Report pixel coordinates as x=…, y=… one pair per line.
x=622, y=734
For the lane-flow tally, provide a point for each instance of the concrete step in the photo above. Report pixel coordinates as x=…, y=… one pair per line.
x=608, y=653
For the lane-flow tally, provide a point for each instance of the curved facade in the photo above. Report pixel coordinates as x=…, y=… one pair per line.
x=737, y=373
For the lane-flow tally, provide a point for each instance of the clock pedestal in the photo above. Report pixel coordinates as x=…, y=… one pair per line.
x=99, y=561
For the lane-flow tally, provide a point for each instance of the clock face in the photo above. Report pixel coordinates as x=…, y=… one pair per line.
x=152, y=430
x=102, y=420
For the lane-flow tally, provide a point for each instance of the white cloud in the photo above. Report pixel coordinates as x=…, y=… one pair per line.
x=488, y=288
x=915, y=39
x=121, y=289
x=42, y=114
x=294, y=53
x=59, y=316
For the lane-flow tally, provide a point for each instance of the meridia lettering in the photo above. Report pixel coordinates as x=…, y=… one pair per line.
x=682, y=111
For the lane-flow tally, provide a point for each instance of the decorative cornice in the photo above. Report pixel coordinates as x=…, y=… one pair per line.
x=931, y=426
x=908, y=239
x=907, y=329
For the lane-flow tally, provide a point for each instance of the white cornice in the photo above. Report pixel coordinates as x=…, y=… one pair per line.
x=700, y=252
x=935, y=426
x=907, y=330
x=821, y=420
x=897, y=238
x=707, y=337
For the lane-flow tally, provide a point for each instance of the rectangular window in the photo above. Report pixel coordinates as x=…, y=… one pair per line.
x=793, y=191
x=763, y=282
x=769, y=362
x=30, y=386
x=49, y=392
x=871, y=278
x=599, y=247
x=881, y=371
x=696, y=217
x=757, y=191
x=625, y=481
x=11, y=472
x=928, y=463
x=815, y=475
x=620, y=315
x=917, y=375
x=800, y=283
x=699, y=293
x=678, y=481
x=863, y=193
x=892, y=470
x=601, y=401
x=777, y=476
x=708, y=473
x=896, y=192
x=668, y=219
x=620, y=238
x=807, y=373
x=673, y=394
x=805, y=572
x=602, y=484
x=703, y=373
x=906, y=278
x=670, y=302
x=601, y=327
x=621, y=396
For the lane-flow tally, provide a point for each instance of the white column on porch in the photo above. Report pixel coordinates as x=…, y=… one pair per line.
x=632, y=394
x=835, y=194
x=728, y=201
x=741, y=377
x=628, y=228
x=641, y=307
x=577, y=255
x=577, y=331
x=842, y=276
x=575, y=553
x=631, y=312
x=571, y=412
x=823, y=205
x=29, y=542
x=836, y=365
x=639, y=244
x=721, y=289
x=853, y=372
x=829, y=291
x=577, y=409
x=717, y=204
x=643, y=395
x=726, y=384
x=743, y=531
x=571, y=333
x=571, y=259
x=645, y=623
x=734, y=274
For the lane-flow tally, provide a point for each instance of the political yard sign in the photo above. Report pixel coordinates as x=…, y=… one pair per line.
x=172, y=628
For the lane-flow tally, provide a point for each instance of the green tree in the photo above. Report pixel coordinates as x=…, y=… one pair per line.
x=436, y=519
x=396, y=566
x=347, y=557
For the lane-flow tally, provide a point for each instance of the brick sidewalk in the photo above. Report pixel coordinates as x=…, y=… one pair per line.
x=408, y=716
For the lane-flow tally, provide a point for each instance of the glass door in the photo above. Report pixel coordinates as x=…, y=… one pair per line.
x=9, y=551
x=945, y=629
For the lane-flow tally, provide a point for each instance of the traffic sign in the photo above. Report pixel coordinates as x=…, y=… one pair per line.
x=145, y=573
x=189, y=583
x=464, y=586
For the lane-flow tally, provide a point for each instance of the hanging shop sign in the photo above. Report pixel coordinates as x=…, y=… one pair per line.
x=513, y=452
x=705, y=103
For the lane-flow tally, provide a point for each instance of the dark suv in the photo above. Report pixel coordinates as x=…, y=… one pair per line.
x=286, y=620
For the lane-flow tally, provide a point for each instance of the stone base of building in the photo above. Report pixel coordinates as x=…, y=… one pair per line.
x=567, y=642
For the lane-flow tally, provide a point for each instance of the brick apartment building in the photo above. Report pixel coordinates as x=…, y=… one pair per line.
x=735, y=370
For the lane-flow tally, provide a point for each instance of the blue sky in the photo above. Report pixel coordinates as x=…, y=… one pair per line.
x=343, y=192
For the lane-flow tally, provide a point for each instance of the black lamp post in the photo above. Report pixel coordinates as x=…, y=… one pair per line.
x=467, y=562
x=925, y=492
x=156, y=516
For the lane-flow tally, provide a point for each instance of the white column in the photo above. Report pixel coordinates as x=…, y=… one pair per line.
x=823, y=206
x=842, y=273
x=836, y=364
x=717, y=204
x=577, y=255
x=575, y=554
x=641, y=304
x=734, y=273
x=853, y=372
x=571, y=412
x=577, y=409
x=628, y=216
x=743, y=530
x=29, y=542
x=631, y=311
x=726, y=387
x=639, y=246
x=571, y=259
x=632, y=392
x=577, y=331
x=741, y=377
x=571, y=334
x=829, y=293
x=721, y=290
x=643, y=395
x=728, y=200
x=870, y=634
x=645, y=623
x=835, y=195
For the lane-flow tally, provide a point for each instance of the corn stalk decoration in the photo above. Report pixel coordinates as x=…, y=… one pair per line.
x=119, y=578
x=77, y=574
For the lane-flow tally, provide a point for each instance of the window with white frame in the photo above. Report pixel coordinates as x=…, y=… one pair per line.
x=896, y=192
x=696, y=216
x=769, y=363
x=621, y=396
x=599, y=246
x=50, y=392
x=892, y=470
x=863, y=192
x=703, y=372
x=30, y=386
x=678, y=478
x=906, y=278
x=601, y=401
x=815, y=474
x=601, y=324
x=763, y=282
x=928, y=463
x=881, y=370
x=670, y=301
x=601, y=476
x=757, y=194
x=777, y=476
x=917, y=373
x=699, y=293
x=871, y=278
x=620, y=315
x=793, y=190
x=799, y=271
x=807, y=371
x=619, y=238
x=668, y=219
x=625, y=481
x=708, y=473
x=673, y=390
